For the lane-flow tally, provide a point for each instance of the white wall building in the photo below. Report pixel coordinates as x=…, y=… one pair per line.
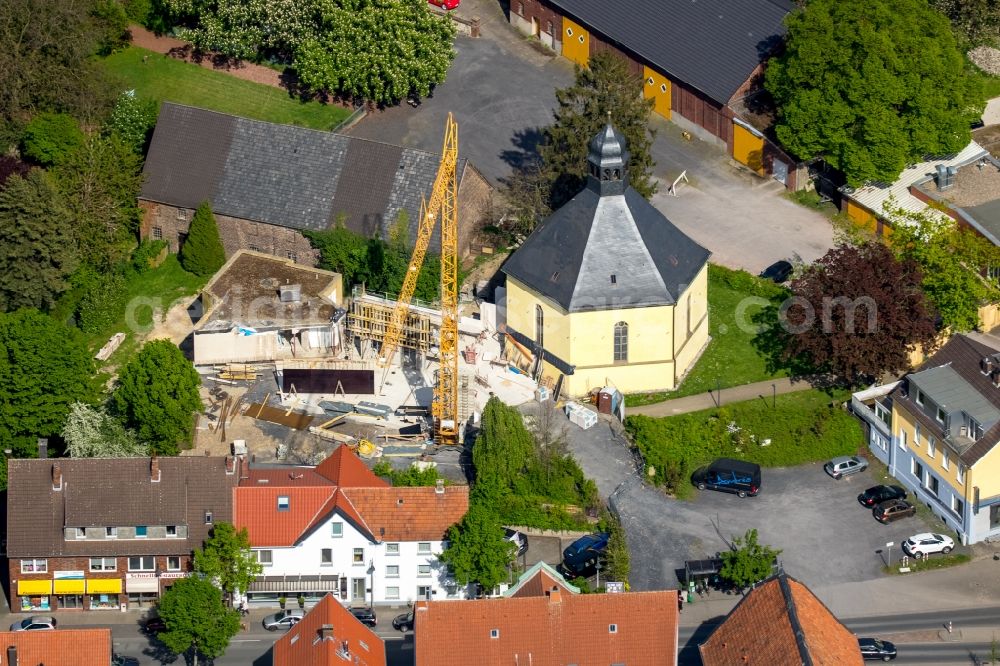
x=338, y=528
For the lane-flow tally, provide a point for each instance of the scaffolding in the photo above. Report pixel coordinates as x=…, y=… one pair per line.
x=369, y=319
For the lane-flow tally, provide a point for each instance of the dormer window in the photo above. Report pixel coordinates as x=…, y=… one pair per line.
x=110, y=532
x=919, y=398
x=171, y=530
x=81, y=533
x=940, y=415
x=283, y=502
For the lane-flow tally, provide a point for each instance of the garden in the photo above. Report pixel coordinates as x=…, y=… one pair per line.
x=772, y=431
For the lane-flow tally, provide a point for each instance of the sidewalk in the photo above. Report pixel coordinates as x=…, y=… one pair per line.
x=696, y=403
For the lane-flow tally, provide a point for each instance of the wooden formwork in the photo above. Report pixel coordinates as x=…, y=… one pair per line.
x=369, y=320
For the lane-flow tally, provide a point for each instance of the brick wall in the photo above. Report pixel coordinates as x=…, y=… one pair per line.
x=83, y=564
x=549, y=22
x=474, y=195
x=171, y=224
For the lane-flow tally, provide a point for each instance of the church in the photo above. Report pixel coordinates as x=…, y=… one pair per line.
x=606, y=291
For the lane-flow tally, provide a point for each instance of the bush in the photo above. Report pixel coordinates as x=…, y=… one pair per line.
x=411, y=476
x=802, y=428
x=147, y=252
x=103, y=304
x=745, y=282
x=132, y=120
x=50, y=137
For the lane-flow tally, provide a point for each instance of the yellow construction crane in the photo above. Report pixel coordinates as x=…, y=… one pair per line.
x=442, y=203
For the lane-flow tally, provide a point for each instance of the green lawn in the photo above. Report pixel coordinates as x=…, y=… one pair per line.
x=731, y=358
x=991, y=84
x=801, y=427
x=165, y=78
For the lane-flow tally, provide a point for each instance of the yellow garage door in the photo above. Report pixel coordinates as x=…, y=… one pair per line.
x=576, y=43
x=657, y=88
x=748, y=148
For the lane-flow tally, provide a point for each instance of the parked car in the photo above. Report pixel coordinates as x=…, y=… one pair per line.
x=892, y=510
x=778, y=272
x=843, y=466
x=154, y=625
x=518, y=539
x=580, y=557
x=921, y=545
x=365, y=615
x=445, y=4
x=403, y=621
x=873, y=649
x=878, y=494
x=122, y=660
x=34, y=623
x=728, y=475
x=285, y=619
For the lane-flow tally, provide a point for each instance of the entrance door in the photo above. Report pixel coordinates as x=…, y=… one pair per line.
x=358, y=589
x=534, y=26
x=748, y=148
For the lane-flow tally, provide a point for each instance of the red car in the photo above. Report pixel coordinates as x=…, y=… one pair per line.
x=445, y=4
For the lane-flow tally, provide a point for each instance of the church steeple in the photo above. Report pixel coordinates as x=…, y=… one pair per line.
x=607, y=162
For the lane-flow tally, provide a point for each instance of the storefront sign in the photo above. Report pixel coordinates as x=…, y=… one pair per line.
x=173, y=574
x=67, y=575
x=134, y=576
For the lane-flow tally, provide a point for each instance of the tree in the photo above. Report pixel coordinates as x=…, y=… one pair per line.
x=198, y=623
x=976, y=19
x=46, y=368
x=50, y=137
x=477, y=550
x=605, y=86
x=954, y=263
x=504, y=447
x=132, y=121
x=202, y=253
x=90, y=432
x=617, y=561
x=872, y=86
x=228, y=560
x=100, y=181
x=747, y=562
x=856, y=313
x=37, y=247
x=11, y=166
x=157, y=395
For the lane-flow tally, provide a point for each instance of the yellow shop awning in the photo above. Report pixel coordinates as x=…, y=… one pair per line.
x=104, y=586
x=33, y=588
x=70, y=586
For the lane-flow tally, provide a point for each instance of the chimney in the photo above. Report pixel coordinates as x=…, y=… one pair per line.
x=154, y=469
x=326, y=632
x=555, y=594
x=230, y=465
x=439, y=488
x=43, y=448
x=56, y=476
x=11, y=655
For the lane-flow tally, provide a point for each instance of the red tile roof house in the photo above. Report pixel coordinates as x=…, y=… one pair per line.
x=553, y=626
x=93, y=534
x=63, y=647
x=337, y=528
x=329, y=635
x=781, y=623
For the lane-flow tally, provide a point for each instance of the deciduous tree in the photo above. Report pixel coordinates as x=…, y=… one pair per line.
x=477, y=550
x=90, y=432
x=37, y=243
x=46, y=367
x=198, y=623
x=975, y=19
x=227, y=559
x=50, y=137
x=857, y=312
x=872, y=86
x=132, y=120
x=202, y=253
x=748, y=562
x=157, y=395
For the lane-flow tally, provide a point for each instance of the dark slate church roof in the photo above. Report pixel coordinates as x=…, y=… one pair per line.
x=607, y=248
x=711, y=45
x=284, y=175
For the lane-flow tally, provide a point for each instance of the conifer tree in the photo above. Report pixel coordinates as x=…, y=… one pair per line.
x=202, y=253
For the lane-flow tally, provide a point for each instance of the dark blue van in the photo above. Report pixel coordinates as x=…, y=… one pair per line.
x=732, y=476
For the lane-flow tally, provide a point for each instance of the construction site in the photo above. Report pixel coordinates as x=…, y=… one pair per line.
x=389, y=376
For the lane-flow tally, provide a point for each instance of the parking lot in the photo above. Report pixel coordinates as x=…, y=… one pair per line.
x=825, y=535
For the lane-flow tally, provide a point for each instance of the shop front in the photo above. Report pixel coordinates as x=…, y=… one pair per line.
x=267, y=590
x=34, y=595
x=143, y=589
x=103, y=593
x=69, y=588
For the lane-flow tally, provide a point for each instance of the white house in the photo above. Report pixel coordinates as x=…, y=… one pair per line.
x=338, y=528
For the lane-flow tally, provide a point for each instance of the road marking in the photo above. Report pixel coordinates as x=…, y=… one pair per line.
x=247, y=640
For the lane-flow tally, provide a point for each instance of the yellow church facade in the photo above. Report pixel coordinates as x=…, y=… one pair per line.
x=607, y=291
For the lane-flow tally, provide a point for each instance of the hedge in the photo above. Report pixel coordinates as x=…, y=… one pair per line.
x=802, y=427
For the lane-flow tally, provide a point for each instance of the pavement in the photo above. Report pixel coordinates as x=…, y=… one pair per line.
x=713, y=399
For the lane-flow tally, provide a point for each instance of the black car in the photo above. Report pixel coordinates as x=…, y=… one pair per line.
x=122, y=660
x=777, y=272
x=365, y=615
x=878, y=494
x=728, y=475
x=403, y=621
x=580, y=557
x=873, y=649
x=154, y=625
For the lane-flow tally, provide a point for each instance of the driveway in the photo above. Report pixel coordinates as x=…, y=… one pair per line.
x=501, y=89
x=826, y=537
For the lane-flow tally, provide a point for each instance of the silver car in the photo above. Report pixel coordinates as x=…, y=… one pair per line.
x=285, y=619
x=838, y=468
x=34, y=623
